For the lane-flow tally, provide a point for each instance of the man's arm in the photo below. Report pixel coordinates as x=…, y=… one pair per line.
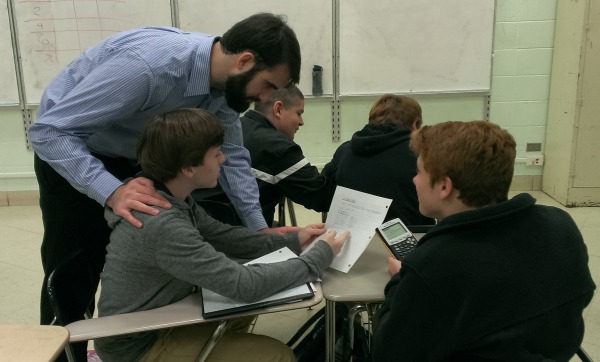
x=237, y=180
x=67, y=117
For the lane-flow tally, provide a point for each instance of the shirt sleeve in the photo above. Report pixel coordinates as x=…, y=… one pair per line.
x=302, y=182
x=330, y=169
x=189, y=254
x=237, y=180
x=111, y=91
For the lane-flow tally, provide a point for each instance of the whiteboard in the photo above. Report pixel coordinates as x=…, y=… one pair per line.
x=402, y=46
x=311, y=20
x=8, y=91
x=52, y=33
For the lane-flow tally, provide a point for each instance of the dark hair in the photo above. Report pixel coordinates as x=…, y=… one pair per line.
x=269, y=38
x=289, y=96
x=478, y=157
x=177, y=139
x=402, y=111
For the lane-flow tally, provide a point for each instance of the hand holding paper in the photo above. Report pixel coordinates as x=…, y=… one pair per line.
x=335, y=242
x=357, y=212
x=308, y=234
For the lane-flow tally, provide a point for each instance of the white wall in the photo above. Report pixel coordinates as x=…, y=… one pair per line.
x=523, y=44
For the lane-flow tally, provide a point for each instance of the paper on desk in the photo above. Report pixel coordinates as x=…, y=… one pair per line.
x=357, y=212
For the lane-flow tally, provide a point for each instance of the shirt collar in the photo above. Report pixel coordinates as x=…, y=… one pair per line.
x=199, y=82
x=259, y=117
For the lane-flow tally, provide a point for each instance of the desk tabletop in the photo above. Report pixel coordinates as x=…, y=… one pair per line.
x=186, y=311
x=365, y=281
x=21, y=343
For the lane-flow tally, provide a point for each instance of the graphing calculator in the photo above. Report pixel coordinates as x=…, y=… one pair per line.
x=397, y=238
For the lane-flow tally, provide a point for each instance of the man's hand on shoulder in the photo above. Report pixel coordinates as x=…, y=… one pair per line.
x=138, y=194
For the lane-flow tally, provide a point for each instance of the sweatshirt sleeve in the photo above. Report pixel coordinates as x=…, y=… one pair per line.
x=182, y=251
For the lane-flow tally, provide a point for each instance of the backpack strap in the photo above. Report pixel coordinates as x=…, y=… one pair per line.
x=306, y=326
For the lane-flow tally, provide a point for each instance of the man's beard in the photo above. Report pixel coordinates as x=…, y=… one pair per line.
x=235, y=91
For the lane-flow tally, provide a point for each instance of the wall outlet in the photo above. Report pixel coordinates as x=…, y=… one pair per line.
x=534, y=160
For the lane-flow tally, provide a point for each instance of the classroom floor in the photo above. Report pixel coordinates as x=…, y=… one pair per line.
x=21, y=272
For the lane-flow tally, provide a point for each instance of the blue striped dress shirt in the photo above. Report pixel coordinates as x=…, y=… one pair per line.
x=102, y=101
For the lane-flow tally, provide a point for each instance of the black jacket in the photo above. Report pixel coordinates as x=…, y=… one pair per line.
x=507, y=282
x=280, y=169
x=378, y=161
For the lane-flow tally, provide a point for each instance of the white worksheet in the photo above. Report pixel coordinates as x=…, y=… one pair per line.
x=357, y=212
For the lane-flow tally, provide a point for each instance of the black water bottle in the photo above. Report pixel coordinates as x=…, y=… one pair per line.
x=317, y=80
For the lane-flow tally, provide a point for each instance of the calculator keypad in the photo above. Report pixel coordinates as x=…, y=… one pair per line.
x=404, y=246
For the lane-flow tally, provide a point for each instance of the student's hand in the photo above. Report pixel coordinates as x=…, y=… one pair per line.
x=394, y=266
x=138, y=194
x=336, y=243
x=281, y=230
x=307, y=235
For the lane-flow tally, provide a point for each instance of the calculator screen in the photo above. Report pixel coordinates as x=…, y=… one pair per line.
x=393, y=231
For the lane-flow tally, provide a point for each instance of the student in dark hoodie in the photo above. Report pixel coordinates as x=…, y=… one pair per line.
x=377, y=159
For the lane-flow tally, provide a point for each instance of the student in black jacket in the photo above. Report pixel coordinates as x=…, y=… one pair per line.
x=377, y=159
x=495, y=279
x=278, y=163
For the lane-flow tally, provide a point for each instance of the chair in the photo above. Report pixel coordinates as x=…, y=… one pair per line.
x=63, y=282
x=372, y=307
x=355, y=311
x=281, y=212
x=184, y=312
x=583, y=356
x=64, y=285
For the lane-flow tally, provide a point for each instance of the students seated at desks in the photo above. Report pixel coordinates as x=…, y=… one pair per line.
x=495, y=279
x=278, y=163
x=377, y=159
x=183, y=247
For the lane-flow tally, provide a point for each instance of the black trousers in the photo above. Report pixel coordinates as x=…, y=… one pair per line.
x=72, y=221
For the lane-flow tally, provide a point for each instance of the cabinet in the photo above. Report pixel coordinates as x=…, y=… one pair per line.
x=572, y=170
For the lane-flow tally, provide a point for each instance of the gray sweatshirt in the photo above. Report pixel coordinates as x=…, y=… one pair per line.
x=183, y=247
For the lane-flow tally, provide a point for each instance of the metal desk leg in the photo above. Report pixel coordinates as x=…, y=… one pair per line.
x=354, y=311
x=212, y=341
x=329, y=331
